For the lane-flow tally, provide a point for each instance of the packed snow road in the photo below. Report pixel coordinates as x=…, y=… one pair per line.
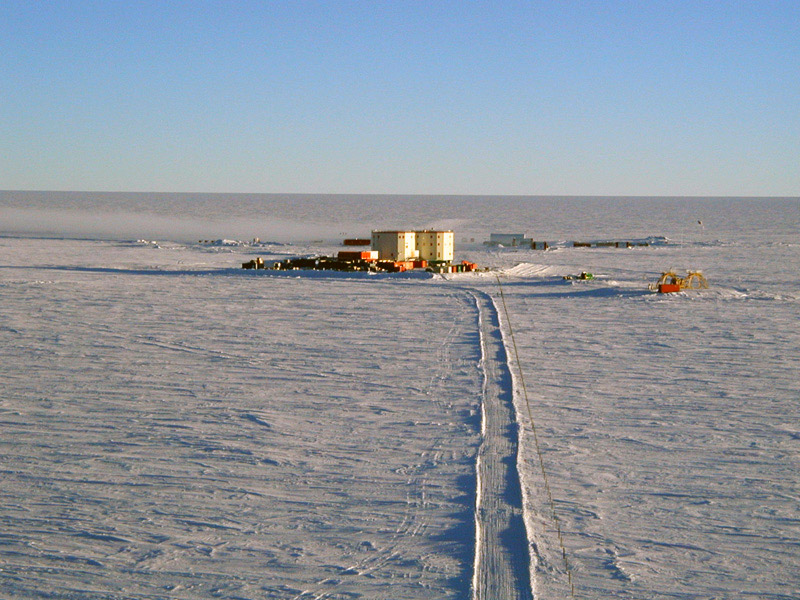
x=502, y=564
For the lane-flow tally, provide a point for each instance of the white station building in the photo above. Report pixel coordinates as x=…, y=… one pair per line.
x=414, y=245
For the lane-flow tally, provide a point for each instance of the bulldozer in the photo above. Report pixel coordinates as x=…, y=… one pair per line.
x=671, y=282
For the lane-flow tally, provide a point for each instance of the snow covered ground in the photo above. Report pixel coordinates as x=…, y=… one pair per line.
x=172, y=426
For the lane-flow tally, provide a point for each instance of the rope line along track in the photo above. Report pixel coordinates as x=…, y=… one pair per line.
x=553, y=514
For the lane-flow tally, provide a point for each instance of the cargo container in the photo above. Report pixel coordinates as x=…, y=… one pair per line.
x=404, y=265
x=358, y=255
x=391, y=266
x=357, y=242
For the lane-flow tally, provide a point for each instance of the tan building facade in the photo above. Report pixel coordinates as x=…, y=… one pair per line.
x=414, y=245
x=435, y=245
x=395, y=245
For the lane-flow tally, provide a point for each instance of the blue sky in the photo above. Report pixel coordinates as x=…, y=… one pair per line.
x=574, y=98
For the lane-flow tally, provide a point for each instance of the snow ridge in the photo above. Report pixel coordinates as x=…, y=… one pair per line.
x=534, y=270
x=478, y=480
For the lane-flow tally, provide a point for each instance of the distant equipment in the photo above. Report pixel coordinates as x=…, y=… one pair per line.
x=582, y=276
x=670, y=282
x=256, y=263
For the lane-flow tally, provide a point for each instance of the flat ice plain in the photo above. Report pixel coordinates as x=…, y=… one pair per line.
x=175, y=427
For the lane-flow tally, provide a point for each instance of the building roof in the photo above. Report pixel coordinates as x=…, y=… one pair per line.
x=412, y=231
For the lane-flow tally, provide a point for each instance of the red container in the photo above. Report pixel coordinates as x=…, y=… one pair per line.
x=666, y=288
x=356, y=255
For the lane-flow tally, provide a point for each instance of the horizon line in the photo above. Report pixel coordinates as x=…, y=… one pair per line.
x=401, y=194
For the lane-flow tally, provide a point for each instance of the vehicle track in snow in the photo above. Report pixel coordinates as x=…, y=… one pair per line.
x=502, y=560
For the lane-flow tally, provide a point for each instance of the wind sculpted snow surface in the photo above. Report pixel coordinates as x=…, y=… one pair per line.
x=175, y=427
x=168, y=434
